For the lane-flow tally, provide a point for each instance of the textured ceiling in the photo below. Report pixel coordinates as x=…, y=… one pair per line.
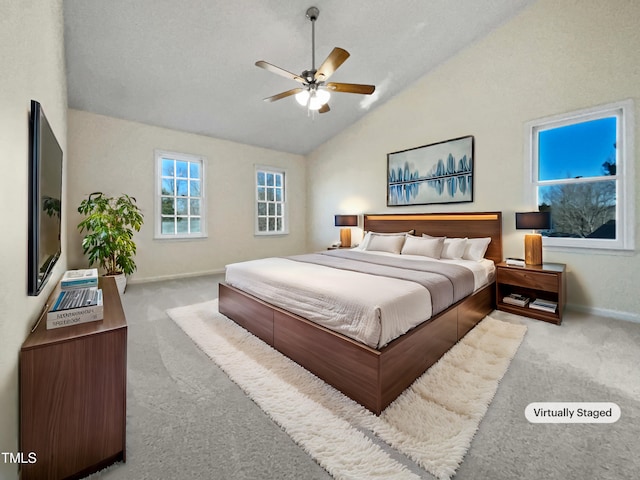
x=189, y=65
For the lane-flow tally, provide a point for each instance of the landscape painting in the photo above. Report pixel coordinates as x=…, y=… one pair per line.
x=437, y=173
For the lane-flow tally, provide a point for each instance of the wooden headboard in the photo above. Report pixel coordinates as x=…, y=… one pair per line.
x=457, y=224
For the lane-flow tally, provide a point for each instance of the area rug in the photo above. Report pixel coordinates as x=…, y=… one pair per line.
x=428, y=428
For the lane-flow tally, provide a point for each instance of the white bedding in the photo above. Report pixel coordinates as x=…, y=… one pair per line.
x=368, y=308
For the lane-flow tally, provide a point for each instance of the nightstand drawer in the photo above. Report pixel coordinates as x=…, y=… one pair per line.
x=529, y=279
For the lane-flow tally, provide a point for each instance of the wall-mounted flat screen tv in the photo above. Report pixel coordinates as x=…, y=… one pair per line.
x=45, y=200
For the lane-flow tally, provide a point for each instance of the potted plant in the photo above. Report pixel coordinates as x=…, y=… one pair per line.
x=110, y=223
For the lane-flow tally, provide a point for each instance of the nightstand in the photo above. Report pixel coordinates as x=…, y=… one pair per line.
x=544, y=282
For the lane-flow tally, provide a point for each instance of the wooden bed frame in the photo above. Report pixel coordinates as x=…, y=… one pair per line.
x=375, y=378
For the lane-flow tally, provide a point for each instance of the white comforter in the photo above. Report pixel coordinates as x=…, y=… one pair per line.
x=368, y=308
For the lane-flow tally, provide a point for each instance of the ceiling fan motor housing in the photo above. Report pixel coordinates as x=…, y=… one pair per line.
x=309, y=76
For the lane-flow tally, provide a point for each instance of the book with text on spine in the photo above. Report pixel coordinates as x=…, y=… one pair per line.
x=76, y=315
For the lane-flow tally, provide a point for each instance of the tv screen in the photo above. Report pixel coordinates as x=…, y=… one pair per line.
x=45, y=200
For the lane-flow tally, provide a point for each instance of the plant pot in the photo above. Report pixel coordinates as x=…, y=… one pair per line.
x=121, y=282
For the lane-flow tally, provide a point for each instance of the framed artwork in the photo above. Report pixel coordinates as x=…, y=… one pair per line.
x=438, y=173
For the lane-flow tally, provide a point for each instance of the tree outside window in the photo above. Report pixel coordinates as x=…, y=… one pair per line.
x=582, y=203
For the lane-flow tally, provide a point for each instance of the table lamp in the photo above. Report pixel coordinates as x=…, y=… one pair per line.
x=345, y=233
x=533, y=241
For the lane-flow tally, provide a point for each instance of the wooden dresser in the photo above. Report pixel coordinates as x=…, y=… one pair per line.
x=73, y=394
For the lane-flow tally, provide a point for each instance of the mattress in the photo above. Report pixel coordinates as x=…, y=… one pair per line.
x=371, y=309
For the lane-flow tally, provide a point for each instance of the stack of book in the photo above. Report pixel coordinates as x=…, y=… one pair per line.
x=544, y=305
x=79, y=300
x=516, y=299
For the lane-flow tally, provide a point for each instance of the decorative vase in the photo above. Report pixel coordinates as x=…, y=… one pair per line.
x=121, y=282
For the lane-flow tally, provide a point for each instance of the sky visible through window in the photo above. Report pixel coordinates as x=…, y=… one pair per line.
x=577, y=150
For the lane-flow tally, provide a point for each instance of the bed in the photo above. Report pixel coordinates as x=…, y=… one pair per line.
x=375, y=369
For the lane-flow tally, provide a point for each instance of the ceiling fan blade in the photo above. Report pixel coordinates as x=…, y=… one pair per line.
x=279, y=71
x=351, y=88
x=288, y=93
x=331, y=64
x=324, y=108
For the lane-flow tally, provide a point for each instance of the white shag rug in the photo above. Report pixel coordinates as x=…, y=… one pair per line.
x=432, y=423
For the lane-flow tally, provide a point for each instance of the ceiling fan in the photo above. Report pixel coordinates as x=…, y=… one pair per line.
x=315, y=90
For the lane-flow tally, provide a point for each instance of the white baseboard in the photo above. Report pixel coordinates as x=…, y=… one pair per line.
x=176, y=276
x=604, y=312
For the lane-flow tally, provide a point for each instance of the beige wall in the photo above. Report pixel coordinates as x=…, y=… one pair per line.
x=32, y=58
x=554, y=57
x=116, y=156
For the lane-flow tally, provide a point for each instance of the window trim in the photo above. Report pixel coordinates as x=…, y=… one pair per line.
x=624, y=178
x=285, y=202
x=158, y=156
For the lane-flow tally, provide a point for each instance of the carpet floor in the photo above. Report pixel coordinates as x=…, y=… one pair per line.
x=187, y=420
x=428, y=428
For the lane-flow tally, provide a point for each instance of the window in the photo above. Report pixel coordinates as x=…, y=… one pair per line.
x=581, y=170
x=180, y=201
x=271, y=207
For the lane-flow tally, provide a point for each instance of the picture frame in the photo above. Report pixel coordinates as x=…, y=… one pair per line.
x=432, y=174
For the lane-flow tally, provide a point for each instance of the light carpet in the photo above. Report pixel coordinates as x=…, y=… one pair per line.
x=430, y=426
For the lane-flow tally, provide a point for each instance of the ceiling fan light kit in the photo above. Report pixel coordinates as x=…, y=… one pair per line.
x=314, y=93
x=313, y=99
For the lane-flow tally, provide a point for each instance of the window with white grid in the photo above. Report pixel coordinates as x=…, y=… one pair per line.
x=180, y=200
x=271, y=207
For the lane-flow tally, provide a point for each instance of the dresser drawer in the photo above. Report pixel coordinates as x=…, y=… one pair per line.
x=529, y=279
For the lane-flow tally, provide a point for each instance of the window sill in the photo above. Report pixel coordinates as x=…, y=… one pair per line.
x=180, y=237
x=270, y=234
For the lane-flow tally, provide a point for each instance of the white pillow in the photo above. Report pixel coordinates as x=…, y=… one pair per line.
x=476, y=248
x=367, y=237
x=453, y=248
x=385, y=243
x=363, y=244
x=427, y=247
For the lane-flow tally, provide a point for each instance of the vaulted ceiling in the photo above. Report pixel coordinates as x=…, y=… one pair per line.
x=188, y=65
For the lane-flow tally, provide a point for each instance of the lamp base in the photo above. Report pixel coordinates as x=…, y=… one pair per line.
x=533, y=249
x=345, y=237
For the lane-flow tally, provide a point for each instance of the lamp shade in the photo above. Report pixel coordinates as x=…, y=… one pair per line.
x=346, y=221
x=302, y=97
x=533, y=221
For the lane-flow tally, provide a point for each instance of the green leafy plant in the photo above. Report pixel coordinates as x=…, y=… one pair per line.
x=110, y=223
